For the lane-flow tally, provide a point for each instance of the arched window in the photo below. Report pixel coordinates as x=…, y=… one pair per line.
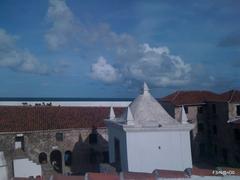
x=68, y=158
x=42, y=158
x=56, y=160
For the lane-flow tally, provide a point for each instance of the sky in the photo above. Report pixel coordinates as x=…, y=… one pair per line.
x=108, y=48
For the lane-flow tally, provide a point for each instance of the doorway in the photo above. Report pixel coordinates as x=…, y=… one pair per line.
x=56, y=160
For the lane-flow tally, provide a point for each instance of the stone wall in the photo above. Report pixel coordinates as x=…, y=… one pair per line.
x=45, y=141
x=222, y=145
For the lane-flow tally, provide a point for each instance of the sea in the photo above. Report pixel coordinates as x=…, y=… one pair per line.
x=64, y=101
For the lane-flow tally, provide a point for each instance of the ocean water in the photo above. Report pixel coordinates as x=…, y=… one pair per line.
x=23, y=99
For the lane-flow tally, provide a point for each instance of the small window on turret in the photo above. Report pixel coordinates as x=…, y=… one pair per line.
x=186, y=109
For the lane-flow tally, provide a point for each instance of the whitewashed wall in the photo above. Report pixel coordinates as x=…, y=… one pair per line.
x=147, y=151
x=26, y=168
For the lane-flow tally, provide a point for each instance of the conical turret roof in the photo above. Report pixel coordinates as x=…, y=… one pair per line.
x=147, y=111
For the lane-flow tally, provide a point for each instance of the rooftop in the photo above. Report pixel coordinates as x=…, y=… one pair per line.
x=145, y=112
x=21, y=119
x=199, y=97
x=231, y=96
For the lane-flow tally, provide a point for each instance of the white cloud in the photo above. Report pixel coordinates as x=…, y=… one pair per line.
x=157, y=66
x=157, y=50
x=133, y=61
x=152, y=64
x=17, y=59
x=103, y=71
x=65, y=30
x=63, y=25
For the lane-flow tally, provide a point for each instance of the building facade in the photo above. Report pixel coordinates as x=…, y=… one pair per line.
x=75, y=139
x=60, y=139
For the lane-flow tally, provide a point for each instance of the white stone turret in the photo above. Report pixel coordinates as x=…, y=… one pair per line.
x=112, y=114
x=145, y=88
x=129, y=117
x=184, y=119
x=145, y=128
x=147, y=112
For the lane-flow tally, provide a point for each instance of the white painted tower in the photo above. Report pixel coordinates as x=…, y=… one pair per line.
x=146, y=137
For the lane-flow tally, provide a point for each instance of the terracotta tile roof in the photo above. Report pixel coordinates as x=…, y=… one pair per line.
x=19, y=118
x=191, y=97
x=231, y=96
x=138, y=176
x=202, y=172
x=62, y=177
x=102, y=176
x=169, y=173
x=158, y=173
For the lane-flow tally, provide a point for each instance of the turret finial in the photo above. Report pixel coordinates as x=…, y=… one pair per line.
x=184, y=119
x=145, y=88
x=112, y=114
x=129, y=118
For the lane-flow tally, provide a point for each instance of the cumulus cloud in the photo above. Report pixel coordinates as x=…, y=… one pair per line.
x=17, y=59
x=65, y=30
x=103, y=71
x=132, y=61
x=157, y=66
x=152, y=64
x=63, y=25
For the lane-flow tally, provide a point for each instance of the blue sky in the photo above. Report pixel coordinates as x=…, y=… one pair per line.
x=70, y=48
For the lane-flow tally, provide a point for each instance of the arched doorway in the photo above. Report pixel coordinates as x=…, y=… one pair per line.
x=56, y=160
x=68, y=158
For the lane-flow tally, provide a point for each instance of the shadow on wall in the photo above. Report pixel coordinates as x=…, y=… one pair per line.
x=87, y=155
